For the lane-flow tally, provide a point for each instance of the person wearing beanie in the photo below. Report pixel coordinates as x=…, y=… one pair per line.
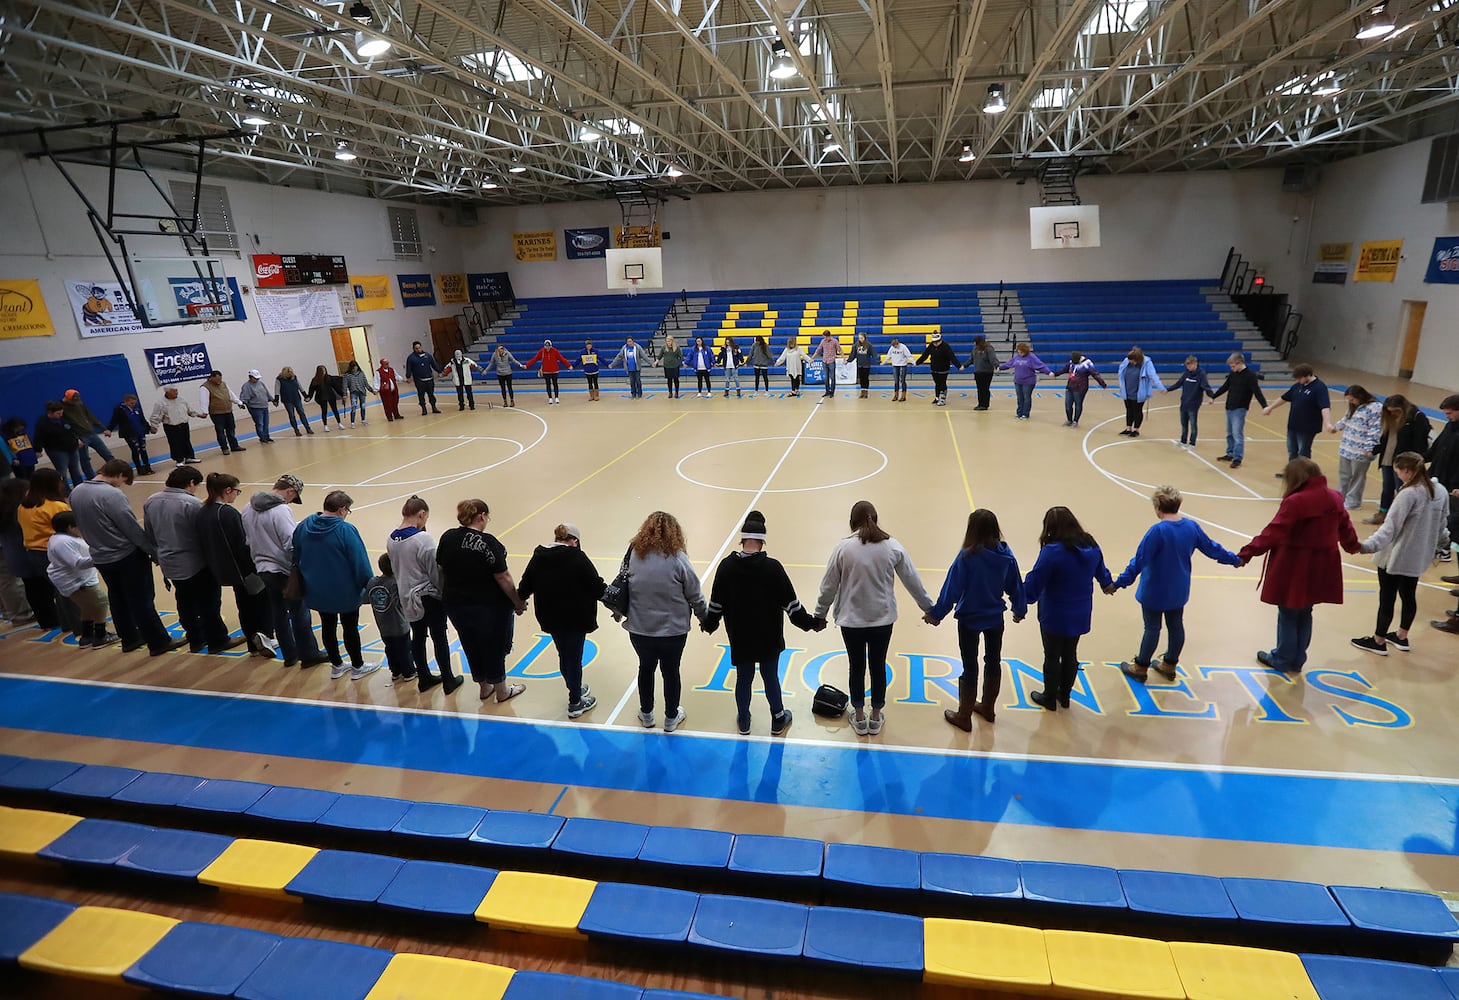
x=567, y=586
x=943, y=359
x=751, y=591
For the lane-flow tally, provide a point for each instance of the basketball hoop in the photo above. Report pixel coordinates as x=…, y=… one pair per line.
x=633, y=286
x=208, y=315
x=1064, y=240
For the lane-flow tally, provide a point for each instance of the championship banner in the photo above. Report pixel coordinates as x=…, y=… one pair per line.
x=1443, y=262
x=586, y=244
x=101, y=309
x=416, y=290
x=372, y=291
x=535, y=246
x=637, y=237
x=171, y=365
x=1378, y=260
x=23, y=310
x=453, y=289
x=490, y=286
x=1332, y=264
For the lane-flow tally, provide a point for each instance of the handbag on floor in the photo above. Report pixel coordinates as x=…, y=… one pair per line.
x=830, y=701
x=615, y=595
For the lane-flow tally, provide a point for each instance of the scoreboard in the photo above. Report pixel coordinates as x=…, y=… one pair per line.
x=294, y=270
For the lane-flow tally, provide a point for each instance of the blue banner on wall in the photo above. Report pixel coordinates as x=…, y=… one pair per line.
x=416, y=290
x=196, y=292
x=490, y=286
x=1444, y=262
x=170, y=365
x=586, y=244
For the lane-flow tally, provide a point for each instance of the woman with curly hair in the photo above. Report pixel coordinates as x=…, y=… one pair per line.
x=664, y=591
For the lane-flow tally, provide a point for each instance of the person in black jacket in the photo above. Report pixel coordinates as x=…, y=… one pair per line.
x=1443, y=459
x=1405, y=428
x=1239, y=388
x=57, y=437
x=751, y=591
x=567, y=588
x=230, y=561
x=943, y=361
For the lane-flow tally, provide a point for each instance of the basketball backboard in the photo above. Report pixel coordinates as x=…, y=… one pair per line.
x=1063, y=227
x=176, y=291
x=642, y=263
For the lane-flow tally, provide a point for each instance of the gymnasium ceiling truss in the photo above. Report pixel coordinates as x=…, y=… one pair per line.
x=554, y=100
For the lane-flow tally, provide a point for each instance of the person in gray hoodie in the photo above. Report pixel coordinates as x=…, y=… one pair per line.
x=665, y=589
x=170, y=522
x=412, y=553
x=269, y=527
x=123, y=556
x=985, y=363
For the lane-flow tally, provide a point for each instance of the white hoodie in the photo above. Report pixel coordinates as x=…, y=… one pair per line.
x=268, y=524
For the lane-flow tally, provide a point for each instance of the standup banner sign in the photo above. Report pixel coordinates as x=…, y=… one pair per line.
x=535, y=246
x=1443, y=262
x=171, y=365
x=23, y=310
x=101, y=309
x=416, y=290
x=1378, y=260
x=372, y=291
x=586, y=244
x=453, y=289
x=1333, y=260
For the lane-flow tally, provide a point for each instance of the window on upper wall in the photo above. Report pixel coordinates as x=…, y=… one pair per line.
x=404, y=233
x=215, y=216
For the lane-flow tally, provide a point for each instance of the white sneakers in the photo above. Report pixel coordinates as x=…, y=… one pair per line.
x=365, y=669
x=674, y=721
x=646, y=719
x=338, y=671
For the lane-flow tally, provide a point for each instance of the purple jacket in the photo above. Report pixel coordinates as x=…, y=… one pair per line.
x=1025, y=368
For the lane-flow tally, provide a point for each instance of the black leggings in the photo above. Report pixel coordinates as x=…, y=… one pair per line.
x=795, y=383
x=504, y=382
x=1393, y=588
x=1061, y=664
x=325, y=405
x=967, y=644
x=432, y=624
x=704, y=382
x=592, y=382
x=863, y=377
x=1134, y=413
x=762, y=373
x=867, y=647
x=551, y=382
x=671, y=380
x=939, y=384
x=351, y=621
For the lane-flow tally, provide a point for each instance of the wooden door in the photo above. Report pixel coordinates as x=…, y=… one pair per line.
x=1413, y=329
x=446, y=337
x=344, y=347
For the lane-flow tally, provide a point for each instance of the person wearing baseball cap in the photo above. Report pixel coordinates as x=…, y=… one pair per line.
x=751, y=591
x=90, y=429
x=269, y=527
x=567, y=587
x=256, y=397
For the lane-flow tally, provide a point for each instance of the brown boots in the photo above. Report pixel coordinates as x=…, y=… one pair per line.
x=963, y=717
x=592, y=395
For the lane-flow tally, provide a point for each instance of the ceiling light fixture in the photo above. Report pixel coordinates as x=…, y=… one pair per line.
x=996, y=103
x=589, y=132
x=968, y=155
x=1375, y=22
x=361, y=14
x=516, y=167
x=370, y=46
x=782, y=67
x=674, y=171
x=1326, y=85
x=829, y=143
x=489, y=185
x=344, y=152
x=252, y=114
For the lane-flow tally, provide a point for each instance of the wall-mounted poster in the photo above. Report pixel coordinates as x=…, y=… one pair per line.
x=637, y=237
x=535, y=246
x=372, y=291
x=1378, y=260
x=416, y=290
x=1333, y=263
x=1444, y=262
x=452, y=288
x=101, y=309
x=586, y=244
x=23, y=310
x=171, y=365
x=490, y=286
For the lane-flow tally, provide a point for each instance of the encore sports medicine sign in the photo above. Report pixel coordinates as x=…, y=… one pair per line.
x=299, y=270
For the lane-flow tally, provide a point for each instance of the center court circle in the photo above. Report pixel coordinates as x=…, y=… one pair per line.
x=855, y=455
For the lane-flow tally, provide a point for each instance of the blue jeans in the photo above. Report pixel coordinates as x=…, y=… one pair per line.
x=292, y=626
x=635, y=382
x=1074, y=404
x=260, y=422
x=899, y=378
x=769, y=670
x=1174, y=624
x=731, y=373
x=659, y=654
x=1236, y=434
x=1390, y=487
x=570, y=663
x=1294, y=635
x=1025, y=398
x=1189, y=416
x=1299, y=443
x=89, y=441
x=68, y=463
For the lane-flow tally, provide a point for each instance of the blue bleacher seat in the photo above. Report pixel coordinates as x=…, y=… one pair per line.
x=969, y=875
x=1341, y=978
x=37, y=775
x=344, y=877
x=319, y=970
x=221, y=795
x=1171, y=894
x=639, y=912
x=439, y=820
x=95, y=842
x=1278, y=902
x=679, y=995
x=601, y=838
x=202, y=959
x=1071, y=885
x=9, y=761
x=24, y=920
x=685, y=847
x=364, y=813
x=1450, y=978
x=872, y=867
x=433, y=887
x=506, y=828
x=886, y=942
x=292, y=805
x=175, y=853
x=157, y=788
x=96, y=781
x=1394, y=911
x=786, y=857
x=758, y=926
x=555, y=986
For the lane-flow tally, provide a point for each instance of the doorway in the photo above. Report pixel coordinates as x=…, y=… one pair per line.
x=1412, y=325
x=351, y=344
x=446, y=337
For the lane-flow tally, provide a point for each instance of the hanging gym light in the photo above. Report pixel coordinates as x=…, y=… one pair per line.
x=996, y=103
x=1375, y=23
x=782, y=67
x=968, y=155
x=344, y=152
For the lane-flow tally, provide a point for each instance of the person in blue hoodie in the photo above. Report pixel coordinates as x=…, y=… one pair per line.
x=982, y=573
x=331, y=557
x=1195, y=390
x=1136, y=383
x=128, y=421
x=1061, y=583
x=1163, y=564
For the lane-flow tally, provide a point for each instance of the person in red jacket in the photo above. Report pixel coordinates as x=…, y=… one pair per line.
x=1303, y=566
x=552, y=362
x=389, y=389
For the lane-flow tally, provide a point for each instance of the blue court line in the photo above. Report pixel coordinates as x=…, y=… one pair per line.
x=1302, y=809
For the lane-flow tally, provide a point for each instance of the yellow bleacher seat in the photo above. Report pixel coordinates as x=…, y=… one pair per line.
x=1082, y=964
x=434, y=977
x=1218, y=971
x=23, y=832
x=984, y=955
x=529, y=901
x=258, y=867
x=97, y=942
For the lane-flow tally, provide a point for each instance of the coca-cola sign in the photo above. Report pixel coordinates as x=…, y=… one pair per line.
x=292, y=270
x=268, y=270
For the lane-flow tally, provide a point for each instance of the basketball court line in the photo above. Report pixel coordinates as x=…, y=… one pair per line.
x=961, y=468
x=1222, y=472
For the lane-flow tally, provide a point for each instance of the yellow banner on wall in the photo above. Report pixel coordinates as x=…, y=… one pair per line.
x=1334, y=253
x=23, y=310
x=452, y=288
x=1378, y=260
x=372, y=291
x=535, y=246
x=634, y=237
